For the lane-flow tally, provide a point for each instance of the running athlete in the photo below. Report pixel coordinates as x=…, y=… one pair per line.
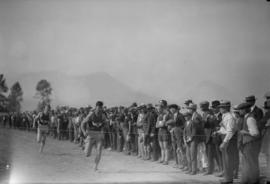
x=93, y=131
x=43, y=119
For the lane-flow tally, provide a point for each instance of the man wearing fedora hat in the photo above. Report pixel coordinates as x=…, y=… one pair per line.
x=229, y=143
x=256, y=111
x=239, y=120
x=197, y=119
x=265, y=148
x=198, y=136
x=250, y=146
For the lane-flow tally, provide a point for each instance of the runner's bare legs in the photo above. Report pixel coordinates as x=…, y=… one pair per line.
x=42, y=143
x=98, y=156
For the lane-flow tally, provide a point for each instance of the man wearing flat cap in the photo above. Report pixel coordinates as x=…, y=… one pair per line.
x=256, y=111
x=191, y=143
x=250, y=146
x=177, y=122
x=217, y=138
x=153, y=132
x=141, y=121
x=133, y=130
x=267, y=95
x=120, y=118
x=146, y=131
x=209, y=127
x=229, y=144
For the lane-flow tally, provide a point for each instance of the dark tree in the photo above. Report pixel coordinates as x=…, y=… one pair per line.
x=15, y=98
x=44, y=91
x=3, y=85
x=3, y=89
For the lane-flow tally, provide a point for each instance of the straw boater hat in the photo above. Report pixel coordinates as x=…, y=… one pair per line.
x=235, y=108
x=215, y=104
x=250, y=98
x=224, y=103
x=266, y=104
x=188, y=101
x=244, y=105
x=267, y=95
x=162, y=103
x=185, y=114
x=174, y=106
x=192, y=107
x=142, y=106
x=204, y=105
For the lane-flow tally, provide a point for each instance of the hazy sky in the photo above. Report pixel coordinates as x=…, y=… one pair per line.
x=158, y=47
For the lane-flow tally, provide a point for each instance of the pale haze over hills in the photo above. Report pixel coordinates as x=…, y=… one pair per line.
x=80, y=90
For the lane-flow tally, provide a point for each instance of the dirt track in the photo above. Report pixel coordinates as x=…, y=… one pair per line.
x=64, y=162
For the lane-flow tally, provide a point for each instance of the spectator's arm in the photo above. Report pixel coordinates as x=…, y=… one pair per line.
x=84, y=121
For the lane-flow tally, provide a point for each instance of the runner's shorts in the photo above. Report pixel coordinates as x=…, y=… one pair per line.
x=95, y=136
x=163, y=135
x=42, y=132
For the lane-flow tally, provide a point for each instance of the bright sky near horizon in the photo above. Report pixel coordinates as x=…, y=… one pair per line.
x=156, y=46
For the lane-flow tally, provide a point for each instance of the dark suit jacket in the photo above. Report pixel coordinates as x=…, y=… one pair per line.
x=257, y=113
x=190, y=131
x=209, y=125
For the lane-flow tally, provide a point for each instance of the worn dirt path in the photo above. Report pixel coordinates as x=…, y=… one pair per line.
x=64, y=162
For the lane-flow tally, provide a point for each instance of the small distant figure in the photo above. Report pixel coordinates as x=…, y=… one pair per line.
x=43, y=119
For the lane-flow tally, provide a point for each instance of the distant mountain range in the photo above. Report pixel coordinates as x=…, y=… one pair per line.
x=87, y=89
x=79, y=90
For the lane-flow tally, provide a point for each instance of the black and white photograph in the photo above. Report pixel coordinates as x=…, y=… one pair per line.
x=135, y=91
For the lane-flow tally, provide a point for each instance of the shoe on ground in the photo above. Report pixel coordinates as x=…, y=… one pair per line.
x=225, y=182
x=188, y=172
x=161, y=161
x=166, y=163
x=185, y=169
x=207, y=173
x=181, y=167
x=219, y=174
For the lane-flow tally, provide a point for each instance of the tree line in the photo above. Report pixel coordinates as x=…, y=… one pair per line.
x=11, y=98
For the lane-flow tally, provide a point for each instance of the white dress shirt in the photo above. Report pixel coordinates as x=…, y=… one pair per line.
x=228, y=126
